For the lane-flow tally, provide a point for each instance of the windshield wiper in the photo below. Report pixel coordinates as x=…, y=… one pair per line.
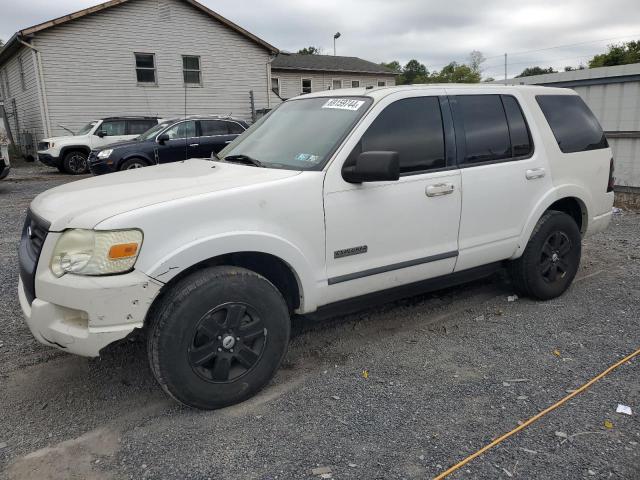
x=245, y=159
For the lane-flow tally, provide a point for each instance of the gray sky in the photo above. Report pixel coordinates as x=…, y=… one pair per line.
x=434, y=32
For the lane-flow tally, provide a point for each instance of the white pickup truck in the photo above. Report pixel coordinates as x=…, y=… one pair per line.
x=332, y=199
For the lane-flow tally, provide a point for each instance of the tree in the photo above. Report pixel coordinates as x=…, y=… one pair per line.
x=476, y=58
x=620, y=54
x=529, y=71
x=394, y=66
x=455, y=73
x=309, y=51
x=414, y=72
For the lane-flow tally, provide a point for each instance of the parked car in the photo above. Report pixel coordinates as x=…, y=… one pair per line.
x=69, y=154
x=335, y=199
x=5, y=166
x=169, y=141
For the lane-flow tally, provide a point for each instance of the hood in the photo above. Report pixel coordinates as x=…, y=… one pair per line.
x=60, y=139
x=123, y=143
x=85, y=203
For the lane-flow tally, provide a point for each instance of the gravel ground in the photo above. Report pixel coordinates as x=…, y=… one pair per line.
x=448, y=372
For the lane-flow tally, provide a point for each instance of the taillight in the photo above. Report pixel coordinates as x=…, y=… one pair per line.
x=611, y=179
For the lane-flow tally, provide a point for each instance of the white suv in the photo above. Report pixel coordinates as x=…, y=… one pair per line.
x=69, y=154
x=332, y=200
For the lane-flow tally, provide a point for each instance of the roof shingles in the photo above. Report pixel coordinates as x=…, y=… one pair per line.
x=326, y=63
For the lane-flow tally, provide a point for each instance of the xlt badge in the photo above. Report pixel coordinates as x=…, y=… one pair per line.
x=347, y=252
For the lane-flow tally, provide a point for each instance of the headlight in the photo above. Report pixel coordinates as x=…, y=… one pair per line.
x=95, y=252
x=105, y=153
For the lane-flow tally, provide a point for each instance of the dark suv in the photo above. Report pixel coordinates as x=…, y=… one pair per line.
x=169, y=141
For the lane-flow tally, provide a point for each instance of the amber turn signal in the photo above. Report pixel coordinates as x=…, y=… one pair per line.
x=123, y=250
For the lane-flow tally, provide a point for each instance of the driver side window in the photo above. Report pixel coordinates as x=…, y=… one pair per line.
x=413, y=128
x=182, y=130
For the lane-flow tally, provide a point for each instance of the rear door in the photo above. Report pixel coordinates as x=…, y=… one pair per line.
x=182, y=144
x=214, y=136
x=503, y=175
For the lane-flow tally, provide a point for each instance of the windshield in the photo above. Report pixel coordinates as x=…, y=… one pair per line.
x=153, y=131
x=299, y=134
x=86, y=129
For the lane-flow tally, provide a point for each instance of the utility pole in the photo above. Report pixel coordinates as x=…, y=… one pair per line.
x=336, y=36
x=505, y=68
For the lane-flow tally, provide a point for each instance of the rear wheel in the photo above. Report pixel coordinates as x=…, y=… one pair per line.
x=75, y=163
x=551, y=259
x=218, y=336
x=133, y=163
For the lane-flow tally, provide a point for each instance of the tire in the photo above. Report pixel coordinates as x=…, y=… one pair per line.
x=75, y=163
x=197, y=354
x=133, y=163
x=551, y=258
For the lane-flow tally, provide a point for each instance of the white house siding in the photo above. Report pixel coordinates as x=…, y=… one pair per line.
x=89, y=64
x=291, y=82
x=27, y=102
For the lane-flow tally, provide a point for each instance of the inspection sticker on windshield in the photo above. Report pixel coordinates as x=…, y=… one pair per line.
x=344, y=104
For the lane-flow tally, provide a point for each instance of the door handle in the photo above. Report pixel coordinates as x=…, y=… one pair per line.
x=228, y=141
x=439, y=189
x=193, y=144
x=534, y=173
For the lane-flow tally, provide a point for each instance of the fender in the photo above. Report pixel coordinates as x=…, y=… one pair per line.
x=67, y=148
x=557, y=193
x=235, y=242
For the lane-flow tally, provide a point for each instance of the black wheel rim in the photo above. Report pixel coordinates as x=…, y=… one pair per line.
x=554, y=263
x=77, y=163
x=228, y=343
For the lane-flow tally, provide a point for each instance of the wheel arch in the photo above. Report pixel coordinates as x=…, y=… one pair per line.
x=573, y=200
x=72, y=148
x=134, y=156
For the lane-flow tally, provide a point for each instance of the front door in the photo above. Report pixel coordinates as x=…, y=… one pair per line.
x=110, y=131
x=183, y=143
x=385, y=234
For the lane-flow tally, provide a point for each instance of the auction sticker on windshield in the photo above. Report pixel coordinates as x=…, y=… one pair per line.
x=344, y=104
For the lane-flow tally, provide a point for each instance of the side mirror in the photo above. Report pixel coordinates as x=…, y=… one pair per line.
x=101, y=133
x=373, y=167
x=163, y=138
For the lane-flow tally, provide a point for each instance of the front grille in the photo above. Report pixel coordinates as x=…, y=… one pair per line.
x=43, y=146
x=34, y=234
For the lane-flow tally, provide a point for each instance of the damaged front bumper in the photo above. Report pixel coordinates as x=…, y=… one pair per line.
x=88, y=313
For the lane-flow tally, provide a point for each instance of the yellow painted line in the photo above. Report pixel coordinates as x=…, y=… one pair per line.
x=538, y=416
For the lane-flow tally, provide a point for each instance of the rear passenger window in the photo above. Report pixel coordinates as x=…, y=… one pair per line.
x=413, y=128
x=485, y=126
x=213, y=127
x=576, y=129
x=137, y=127
x=112, y=128
x=518, y=130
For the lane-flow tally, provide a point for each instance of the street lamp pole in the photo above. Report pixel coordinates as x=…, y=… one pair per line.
x=335, y=37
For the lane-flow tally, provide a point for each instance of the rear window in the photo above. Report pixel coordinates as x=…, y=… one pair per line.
x=576, y=129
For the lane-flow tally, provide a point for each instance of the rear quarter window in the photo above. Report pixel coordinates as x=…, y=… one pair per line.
x=574, y=126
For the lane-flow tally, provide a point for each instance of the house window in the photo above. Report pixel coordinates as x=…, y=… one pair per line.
x=382, y=83
x=146, y=67
x=336, y=84
x=275, y=85
x=21, y=69
x=191, y=70
x=306, y=85
x=355, y=83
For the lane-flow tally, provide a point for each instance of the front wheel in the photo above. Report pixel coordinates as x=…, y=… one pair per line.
x=551, y=259
x=218, y=336
x=75, y=163
x=133, y=163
